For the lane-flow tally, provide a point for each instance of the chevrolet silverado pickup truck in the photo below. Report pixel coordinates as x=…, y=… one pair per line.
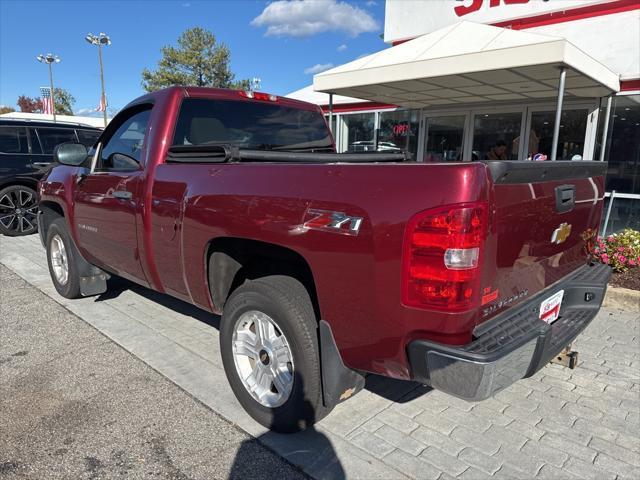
x=327, y=267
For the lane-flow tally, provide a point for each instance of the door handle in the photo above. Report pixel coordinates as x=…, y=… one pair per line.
x=122, y=195
x=41, y=164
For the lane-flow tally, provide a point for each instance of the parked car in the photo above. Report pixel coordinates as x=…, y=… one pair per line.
x=26, y=153
x=463, y=276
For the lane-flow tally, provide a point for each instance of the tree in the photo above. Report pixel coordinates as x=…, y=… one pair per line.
x=198, y=60
x=29, y=105
x=64, y=103
x=4, y=109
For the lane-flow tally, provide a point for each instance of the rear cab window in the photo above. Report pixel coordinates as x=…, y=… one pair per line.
x=13, y=140
x=251, y=124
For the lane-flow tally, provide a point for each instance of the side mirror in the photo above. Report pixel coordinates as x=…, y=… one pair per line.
x=72, y=154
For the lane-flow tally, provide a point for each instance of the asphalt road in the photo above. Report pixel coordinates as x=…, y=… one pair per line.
x=73, y=404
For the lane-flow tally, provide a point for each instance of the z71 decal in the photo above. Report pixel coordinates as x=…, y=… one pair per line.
x=329, y=221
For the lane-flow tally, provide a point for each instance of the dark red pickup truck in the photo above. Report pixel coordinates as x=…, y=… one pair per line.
x=325, y=267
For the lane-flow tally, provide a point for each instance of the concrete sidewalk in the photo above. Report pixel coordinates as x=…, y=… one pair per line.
x=561, y=423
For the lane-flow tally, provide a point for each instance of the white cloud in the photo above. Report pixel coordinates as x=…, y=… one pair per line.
x=317, y=68
x=342, y=48
x=304, y=18
x=371, y=3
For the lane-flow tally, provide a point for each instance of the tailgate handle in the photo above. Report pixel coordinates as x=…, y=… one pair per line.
x=565, y=198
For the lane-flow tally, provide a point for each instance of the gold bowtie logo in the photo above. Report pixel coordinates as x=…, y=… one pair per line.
x=561, y=233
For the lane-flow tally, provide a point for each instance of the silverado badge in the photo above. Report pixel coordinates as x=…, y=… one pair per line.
x=561, y=233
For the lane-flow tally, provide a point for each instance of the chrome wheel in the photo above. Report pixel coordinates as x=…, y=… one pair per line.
x=263, y=359
x=18, y=210
x=59, y=260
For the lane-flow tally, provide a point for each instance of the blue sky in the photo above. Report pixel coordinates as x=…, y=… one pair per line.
x=276, y=41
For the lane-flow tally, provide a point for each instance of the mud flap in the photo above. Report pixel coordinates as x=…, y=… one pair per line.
x=339, y=383
x=93, y=280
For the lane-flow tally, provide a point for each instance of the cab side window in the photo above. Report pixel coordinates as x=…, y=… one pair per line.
x=122, y=151
x=13, y=140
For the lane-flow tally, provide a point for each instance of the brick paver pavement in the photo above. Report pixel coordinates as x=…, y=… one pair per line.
x=561, y=423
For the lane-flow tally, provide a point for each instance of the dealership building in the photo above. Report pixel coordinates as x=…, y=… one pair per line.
x=465, y=80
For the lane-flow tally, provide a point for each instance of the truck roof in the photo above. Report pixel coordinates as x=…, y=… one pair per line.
x=217, y=93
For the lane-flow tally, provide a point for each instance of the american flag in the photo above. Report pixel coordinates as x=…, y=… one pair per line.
x=47, y=104
x=103, y=104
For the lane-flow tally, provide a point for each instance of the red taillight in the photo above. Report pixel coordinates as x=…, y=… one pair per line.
x=441, y=257
x=266, y=97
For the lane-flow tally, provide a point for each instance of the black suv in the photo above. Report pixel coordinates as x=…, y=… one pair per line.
x=26, y=153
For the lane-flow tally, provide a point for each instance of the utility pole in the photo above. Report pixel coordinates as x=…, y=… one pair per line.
x=50, y=59
x=99, y=41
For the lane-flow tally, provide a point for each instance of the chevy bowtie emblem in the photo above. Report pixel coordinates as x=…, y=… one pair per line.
x=561, y=233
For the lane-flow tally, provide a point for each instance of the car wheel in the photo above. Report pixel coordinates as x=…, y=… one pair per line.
x=269, y=345
x=62, y=260
x=18, y=211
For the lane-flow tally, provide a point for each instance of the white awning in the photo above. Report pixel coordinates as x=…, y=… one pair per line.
x=469, y=63
x=308, y=94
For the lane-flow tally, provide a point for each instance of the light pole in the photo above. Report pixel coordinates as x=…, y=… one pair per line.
x=49, y=59
x=100, y=40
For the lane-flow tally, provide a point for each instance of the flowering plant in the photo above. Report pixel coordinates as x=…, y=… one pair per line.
x=620, y=250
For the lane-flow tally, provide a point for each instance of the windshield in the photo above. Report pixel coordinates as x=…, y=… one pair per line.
x=251, y=124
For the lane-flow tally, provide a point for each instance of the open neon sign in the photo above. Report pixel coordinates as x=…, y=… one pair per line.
x=400, y=129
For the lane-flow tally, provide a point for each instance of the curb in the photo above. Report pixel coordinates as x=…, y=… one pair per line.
x=622, y=298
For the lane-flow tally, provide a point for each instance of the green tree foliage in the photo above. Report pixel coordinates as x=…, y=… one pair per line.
x=5, y=109
x=64, y=102
x=198, y=60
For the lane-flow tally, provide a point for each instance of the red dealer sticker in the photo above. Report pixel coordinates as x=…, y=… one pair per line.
x=550, y=308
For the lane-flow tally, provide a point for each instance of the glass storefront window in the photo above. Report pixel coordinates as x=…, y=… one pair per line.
x=625, y=213
x=398, y=131
x=573, y=128
x=623, y=151
x=496, y=136
x=444, y=139
x=358, y=132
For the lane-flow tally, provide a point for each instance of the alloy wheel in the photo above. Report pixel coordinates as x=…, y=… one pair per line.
x=59, y=260
x=18, y=211
x=263, y=358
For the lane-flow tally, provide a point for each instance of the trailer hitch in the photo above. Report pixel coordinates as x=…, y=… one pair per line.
x=566, y=358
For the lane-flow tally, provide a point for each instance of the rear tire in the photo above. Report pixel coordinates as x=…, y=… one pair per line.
x=18, y=211
x=275, y=374
x=61, y=258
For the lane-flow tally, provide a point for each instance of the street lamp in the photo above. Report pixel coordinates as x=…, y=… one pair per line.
x=100, y=40
x=49, y=59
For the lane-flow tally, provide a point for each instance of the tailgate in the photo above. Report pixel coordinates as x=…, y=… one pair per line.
x=544, y=215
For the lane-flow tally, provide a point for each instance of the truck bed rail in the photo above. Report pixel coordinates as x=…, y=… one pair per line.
x=224, y=153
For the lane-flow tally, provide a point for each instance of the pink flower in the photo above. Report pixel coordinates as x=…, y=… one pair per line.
x=605, y=258
x=632, y=262
x=621, y=249
x=610, y=238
